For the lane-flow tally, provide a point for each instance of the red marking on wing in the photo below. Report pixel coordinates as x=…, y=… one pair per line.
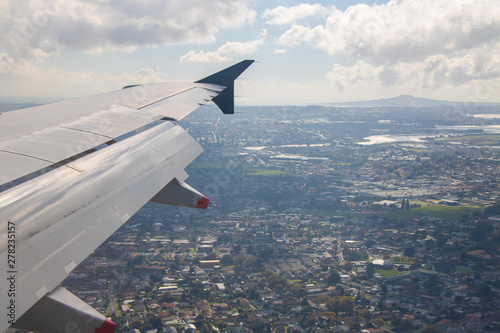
x=107, y=327
x=202, y=203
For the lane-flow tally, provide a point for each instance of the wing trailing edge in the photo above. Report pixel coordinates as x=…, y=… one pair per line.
x=226, y=77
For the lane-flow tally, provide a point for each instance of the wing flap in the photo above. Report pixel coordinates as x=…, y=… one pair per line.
x=61, y=311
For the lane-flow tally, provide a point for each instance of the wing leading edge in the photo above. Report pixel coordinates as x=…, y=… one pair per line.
x=46, y=136
x=72, y=194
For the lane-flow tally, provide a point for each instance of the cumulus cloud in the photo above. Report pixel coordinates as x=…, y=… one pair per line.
x=476, y=73
x=408, y=46
x=287, y=15
x=226, y=52
x=406, y=30
x=38, y=28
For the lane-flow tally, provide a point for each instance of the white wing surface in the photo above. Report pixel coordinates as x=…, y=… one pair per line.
x=72, y=173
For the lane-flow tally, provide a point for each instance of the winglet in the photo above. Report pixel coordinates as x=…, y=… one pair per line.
x=226, y=77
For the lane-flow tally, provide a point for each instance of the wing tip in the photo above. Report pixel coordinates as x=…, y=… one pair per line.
x=226, y=77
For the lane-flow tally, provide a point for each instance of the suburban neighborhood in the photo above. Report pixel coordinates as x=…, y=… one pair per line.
x=316, y=229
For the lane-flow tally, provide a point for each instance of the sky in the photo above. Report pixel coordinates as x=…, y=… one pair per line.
x=308, y=52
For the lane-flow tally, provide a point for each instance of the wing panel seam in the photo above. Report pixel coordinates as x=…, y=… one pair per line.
x=85, y=131
x=164, y=98
x=26, y=155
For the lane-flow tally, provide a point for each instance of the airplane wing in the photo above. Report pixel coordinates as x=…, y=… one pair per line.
x=71, y=173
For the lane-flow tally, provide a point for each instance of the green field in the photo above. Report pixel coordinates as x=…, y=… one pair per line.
x=264, y=172
x=480, y=139
x=447, y=212
x=430, y=210
x=387, y=273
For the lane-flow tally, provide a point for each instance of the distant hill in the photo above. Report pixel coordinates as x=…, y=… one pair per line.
x=403, y=100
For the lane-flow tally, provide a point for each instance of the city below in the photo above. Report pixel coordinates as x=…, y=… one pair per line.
x=323, y=219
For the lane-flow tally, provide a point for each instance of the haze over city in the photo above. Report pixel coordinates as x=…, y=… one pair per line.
x=329, y=51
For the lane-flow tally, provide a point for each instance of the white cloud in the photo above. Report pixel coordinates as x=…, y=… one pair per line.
x=20, y=79
x=405, y=30
x=38, y=28
x=476, y=75
x=287, y=15
x=226, y=51
x=410, y=46
x=280, y=51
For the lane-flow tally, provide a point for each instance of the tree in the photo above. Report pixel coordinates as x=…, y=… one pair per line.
x=253, y=294
x=484, y=289
x=211, y=256
x=492, y=210
x=354, y=255
x=378, y=322
x=409, y=251
x=346, y=304
x=482, y=230
x=137, y=324
x=311, y=320
x=226, y=260
x=370, y=269
x=221, y=239
x=348, y=266
x=384, y=289
x=266, y=253
x=365, y=313
x=397, y=322
x=441, y=239
x=354, y=322
x=167, y=297
x=401, y=324
x=429, y=329
x=333, y=305
x=333, y=277
x=432, y=281
x=407, y=205
x=239, y=259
